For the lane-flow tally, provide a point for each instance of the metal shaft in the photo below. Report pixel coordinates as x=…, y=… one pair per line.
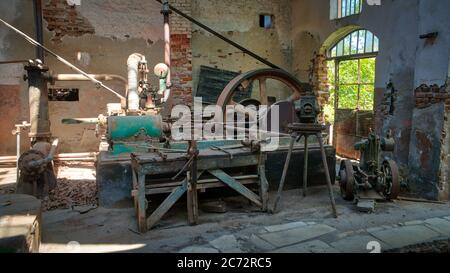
x=18, y=154
x=283, y=177
x=38, y=101
x=220, y=36
x=327, y=174
x=37, y=6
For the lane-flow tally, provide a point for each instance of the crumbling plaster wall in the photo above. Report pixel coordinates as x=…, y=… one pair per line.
x=13, y=98
x=120, y=28
x=429, y=176
x=395, y=24
x=239, y=21
x=404, y=59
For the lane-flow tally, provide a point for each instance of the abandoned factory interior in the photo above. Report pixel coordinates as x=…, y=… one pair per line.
x=225, y=126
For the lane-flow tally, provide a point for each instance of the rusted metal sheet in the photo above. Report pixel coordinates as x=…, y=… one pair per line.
x=351, y=127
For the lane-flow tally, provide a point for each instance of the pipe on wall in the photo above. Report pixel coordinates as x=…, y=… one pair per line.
x=133, y=82
x=37, y=7
x=79, y=77
x=167, y=51
x=38, y=78
x=99, y=77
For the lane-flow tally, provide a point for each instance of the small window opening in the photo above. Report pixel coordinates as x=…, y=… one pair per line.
x=63, y=94
x=344, y=8
x=266, y=21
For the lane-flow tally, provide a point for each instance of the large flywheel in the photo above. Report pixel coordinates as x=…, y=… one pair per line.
x=257, y=88
x=244, y=82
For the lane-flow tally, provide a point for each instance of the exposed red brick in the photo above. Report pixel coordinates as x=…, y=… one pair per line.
x=63, y=19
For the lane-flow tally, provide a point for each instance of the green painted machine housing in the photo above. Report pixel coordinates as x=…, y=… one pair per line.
x=125, y=130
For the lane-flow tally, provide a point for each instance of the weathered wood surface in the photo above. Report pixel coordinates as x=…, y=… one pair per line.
x=20, y=223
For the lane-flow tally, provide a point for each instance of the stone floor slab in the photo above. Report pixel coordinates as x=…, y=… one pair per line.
x=315, y=246
x=287, y=226
x=413, y=223
x=261, y=244
x=297, y=235
x=356, y=244
x=226, y=243
x=440, y=225
x=198, y=249
x=408, y=235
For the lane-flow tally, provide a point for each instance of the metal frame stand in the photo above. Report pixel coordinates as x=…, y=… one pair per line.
x=300, y=130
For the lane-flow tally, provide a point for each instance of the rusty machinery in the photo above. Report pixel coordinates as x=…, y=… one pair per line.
x=136, y=127
x=373, y=173
x=307, y=111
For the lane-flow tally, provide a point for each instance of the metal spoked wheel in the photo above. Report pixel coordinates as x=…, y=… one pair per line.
x=240, y=91
x=390, y=179
x=347, y=181
x=242, y=84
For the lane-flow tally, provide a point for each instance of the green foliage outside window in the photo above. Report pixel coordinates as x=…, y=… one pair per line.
x=355, y=77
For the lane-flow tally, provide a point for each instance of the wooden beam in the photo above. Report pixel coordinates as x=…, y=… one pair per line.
x=166, y=205
x=228, y=180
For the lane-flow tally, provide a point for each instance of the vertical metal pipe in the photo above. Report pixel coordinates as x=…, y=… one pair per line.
x=38, y=99
x=18, y=152
x=167, y=54
x=37, y=6
x=133, y=82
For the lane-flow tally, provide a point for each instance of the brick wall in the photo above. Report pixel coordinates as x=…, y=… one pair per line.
x=319, y=78
x=181, y=34
x=63, y=19
x=427, y=95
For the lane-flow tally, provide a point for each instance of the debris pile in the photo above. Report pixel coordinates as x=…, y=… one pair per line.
x=69, y=193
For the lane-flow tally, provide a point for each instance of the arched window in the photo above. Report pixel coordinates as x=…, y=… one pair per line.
x=359, y=42
x=351, y=81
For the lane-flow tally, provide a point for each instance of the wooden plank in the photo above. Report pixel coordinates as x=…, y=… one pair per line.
x=134, y=191
x=142, y=204
x=192, y=198
x=222, y=161
x=263, y=186
x=166, y=205
x=228, y=180
x=201, y=186
x=202, y=181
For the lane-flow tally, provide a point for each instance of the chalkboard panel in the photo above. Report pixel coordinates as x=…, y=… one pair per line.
x=213, y=81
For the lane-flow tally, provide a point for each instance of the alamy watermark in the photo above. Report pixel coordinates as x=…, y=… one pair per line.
x=234, y=122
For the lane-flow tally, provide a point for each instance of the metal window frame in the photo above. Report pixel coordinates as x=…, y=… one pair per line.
x=357, y=55
x=347, y=8
x=337, y=84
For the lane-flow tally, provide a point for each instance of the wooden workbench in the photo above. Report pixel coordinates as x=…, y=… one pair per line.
x=234, y=168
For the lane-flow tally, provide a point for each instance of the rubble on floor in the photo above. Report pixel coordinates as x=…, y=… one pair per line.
x=69, y=193
x=76, y=187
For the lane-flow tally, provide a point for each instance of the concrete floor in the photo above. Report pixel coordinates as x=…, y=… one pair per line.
x=302, y=225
